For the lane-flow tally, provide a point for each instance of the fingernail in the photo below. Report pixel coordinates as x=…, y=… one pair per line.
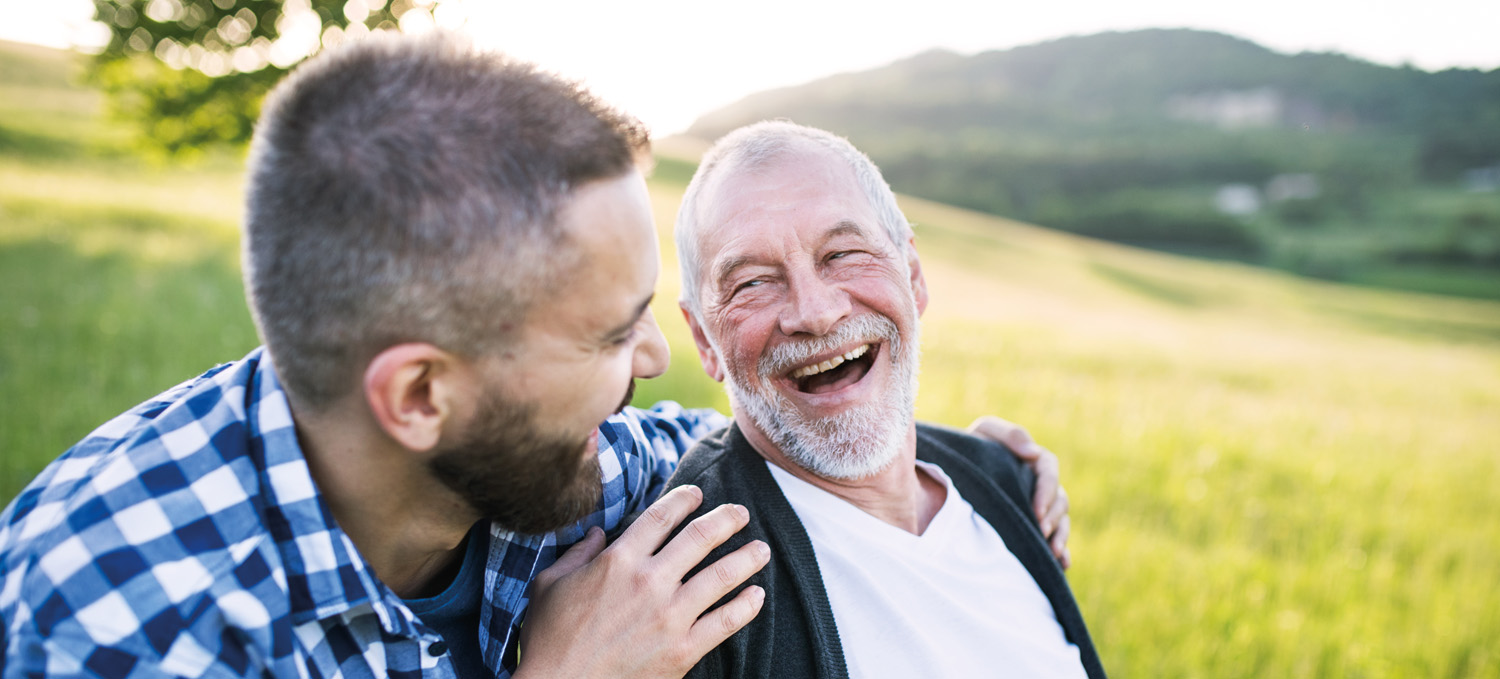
x=757, y=593
x=742, y=512
x=762, y=550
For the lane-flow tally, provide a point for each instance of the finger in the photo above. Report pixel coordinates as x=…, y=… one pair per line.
x=1021, y=444
x=1056, y=513
x=577, y=556
x=1008, y=433
x=713, y=628
x=1059, y=543
x=688, y=548
x=1046, y=489
x=645, y=534
x=722, y=576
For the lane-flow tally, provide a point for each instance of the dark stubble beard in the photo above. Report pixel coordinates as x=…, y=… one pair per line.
x=515, y=473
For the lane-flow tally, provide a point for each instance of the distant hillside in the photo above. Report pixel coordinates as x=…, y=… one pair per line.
x=1191, y=141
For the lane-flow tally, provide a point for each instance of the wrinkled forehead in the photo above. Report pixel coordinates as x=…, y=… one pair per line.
x=793, y=183
x=753, y=166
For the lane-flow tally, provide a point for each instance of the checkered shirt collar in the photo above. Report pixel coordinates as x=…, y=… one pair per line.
x=326, y=574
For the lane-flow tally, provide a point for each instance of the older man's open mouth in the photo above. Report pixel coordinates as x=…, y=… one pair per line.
x=831, y=373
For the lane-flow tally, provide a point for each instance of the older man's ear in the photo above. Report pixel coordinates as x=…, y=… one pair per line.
x=706, y=353
x=918, y=283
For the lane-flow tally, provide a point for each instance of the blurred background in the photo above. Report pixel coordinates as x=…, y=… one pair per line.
x=1239, y=266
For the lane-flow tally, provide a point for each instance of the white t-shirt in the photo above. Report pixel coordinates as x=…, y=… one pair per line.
x=952, y=602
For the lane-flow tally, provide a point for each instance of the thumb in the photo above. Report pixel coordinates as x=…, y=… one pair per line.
x=579, y=555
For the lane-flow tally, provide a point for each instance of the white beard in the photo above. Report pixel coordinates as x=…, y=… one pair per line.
x=857, y=443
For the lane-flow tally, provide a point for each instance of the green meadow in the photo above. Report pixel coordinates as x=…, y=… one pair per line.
x=1270, y=476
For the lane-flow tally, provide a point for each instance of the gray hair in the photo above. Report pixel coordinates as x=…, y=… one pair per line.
x=406, y=190
x=759, y=145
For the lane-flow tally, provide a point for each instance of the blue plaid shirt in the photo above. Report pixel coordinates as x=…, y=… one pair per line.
x=187, y=538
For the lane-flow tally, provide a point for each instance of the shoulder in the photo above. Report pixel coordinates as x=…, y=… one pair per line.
x=167, y=422
x=181, y=450
x=954, y=442
x=653, y=440
x=182, y=613
x=725, y=468
x=666, y=426
x=963, y=444
x=706, y=458
x=965, y=457
x=728, y=471
x=140, y=523
x=169, y=461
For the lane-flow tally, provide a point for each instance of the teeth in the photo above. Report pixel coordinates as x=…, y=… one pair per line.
x=831, y=363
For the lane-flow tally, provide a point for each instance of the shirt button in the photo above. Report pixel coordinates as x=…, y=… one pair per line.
x=437, y=648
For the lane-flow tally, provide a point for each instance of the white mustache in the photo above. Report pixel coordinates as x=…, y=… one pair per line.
x=868, y=328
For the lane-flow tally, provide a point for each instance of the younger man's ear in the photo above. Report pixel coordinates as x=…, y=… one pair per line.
x=706, y=354
x=413, y=391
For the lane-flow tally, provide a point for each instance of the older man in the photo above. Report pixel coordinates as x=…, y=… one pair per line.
x=450, y=257
x=899, y=549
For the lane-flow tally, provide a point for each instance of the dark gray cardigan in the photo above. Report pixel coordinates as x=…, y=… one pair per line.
x=794, y=635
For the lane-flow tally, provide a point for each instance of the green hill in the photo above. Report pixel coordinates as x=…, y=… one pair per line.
x=1353, y=171
x=1270, y=476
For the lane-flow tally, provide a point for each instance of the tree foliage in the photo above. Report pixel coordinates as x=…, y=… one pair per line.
x=192, y=73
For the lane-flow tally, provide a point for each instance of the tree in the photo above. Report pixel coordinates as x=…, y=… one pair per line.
x=192, y=73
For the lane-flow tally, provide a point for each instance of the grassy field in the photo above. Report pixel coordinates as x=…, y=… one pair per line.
x=1271, y=477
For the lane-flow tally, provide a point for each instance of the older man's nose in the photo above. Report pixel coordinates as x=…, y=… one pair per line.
x=814, y=306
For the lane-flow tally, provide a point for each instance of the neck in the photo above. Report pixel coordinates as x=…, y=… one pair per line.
x=408, y=526
x=900, y=494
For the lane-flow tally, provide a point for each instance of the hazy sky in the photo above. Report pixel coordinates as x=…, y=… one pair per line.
x=668, y=61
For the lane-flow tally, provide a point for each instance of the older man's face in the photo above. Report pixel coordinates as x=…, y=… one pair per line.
x=809, y=311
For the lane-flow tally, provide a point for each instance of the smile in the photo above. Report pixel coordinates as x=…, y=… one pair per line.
x=835, y=372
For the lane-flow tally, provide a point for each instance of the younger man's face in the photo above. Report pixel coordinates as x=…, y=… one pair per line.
x=528, y=459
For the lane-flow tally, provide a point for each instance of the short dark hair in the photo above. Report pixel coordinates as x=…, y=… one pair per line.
x=406, y=189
